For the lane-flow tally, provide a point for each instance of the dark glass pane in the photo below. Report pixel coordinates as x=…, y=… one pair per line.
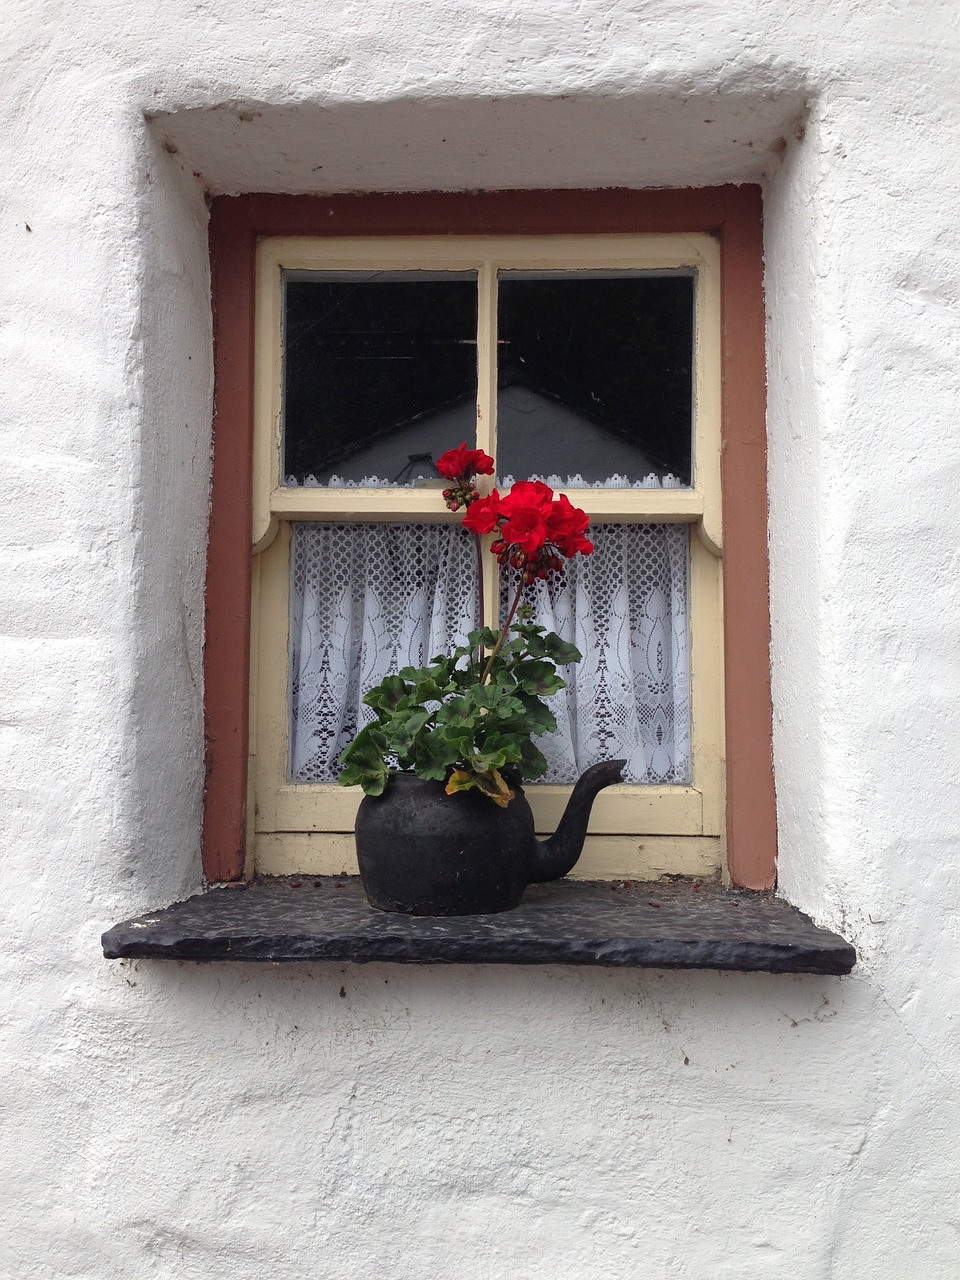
x=379, y=368
x=595, y=374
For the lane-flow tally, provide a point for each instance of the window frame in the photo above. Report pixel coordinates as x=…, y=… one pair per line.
x=635, y=831
x=730, y=214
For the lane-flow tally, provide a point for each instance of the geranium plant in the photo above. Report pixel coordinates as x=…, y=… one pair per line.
x=469, y=718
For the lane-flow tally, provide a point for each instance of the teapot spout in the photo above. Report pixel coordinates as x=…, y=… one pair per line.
x=553, y=858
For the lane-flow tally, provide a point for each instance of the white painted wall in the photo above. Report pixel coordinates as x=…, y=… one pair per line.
x=193, y=1122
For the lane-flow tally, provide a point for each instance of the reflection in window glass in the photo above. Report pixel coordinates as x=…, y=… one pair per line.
x=595, y=374
x=379, y=373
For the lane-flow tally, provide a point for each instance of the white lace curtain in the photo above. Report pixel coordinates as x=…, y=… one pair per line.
x=368, y=599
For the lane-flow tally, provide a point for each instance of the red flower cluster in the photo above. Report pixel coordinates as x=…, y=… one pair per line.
x=460, y=466
x=464, y=463
x=535, y=528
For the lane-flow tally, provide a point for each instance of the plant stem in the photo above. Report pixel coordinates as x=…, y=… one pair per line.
x=480, y=618
x=503, y=635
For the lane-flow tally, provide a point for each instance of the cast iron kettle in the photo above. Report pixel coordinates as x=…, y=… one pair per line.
x=425, y=853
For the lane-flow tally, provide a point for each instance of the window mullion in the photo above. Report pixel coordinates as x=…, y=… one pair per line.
x=491, y=585
x=487, y=358
x=487, y=419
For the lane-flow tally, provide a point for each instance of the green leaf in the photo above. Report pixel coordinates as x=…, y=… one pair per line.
x=455, y=711
x=351, y=775
x=374, y=784
x=434, y=756
x=387, y=695
x=431, y=690
x=366, y=748
x=485, y=636
x=539, y=677
x=513, y=649
x=493, y=698
x=535, y=646
x=464, y=677
x=484, y=695
x=496, y=751
x=363, y=762
x=533, y=762
x=459, y=740
x=438, y=672
x=537, y=717
x=409, y=674
x=401, y=730
x=560, y=651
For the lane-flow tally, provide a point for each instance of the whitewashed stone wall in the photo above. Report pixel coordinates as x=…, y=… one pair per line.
x=194, y=1123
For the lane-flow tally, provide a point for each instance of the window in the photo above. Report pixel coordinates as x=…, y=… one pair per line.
x=446, y=329
x=373, y=357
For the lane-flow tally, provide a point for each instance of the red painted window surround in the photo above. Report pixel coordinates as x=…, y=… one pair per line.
x=734, y=216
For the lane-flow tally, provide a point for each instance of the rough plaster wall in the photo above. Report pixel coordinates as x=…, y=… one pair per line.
x=188, y=1122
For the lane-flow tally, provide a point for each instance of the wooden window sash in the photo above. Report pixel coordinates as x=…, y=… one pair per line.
x=624, y=818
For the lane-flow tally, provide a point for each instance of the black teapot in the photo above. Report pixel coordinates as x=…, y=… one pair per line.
x=427, y=853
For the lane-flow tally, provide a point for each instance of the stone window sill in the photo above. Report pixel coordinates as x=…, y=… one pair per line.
x=623, y=924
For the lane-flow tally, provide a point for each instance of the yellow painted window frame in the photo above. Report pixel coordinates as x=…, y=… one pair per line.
x=635, y=831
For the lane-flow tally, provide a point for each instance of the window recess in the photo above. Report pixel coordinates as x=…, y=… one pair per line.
x=591, y=362
x=690, y=924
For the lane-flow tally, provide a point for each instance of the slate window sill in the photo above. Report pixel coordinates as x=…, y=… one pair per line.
x=661, y=924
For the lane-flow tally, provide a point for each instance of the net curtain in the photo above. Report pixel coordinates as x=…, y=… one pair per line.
x=368, y=599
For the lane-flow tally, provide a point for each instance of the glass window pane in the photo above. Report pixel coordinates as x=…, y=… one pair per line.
x=595, y=375
x=380, y=373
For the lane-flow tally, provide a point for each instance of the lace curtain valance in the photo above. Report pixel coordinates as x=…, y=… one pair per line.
x=650, y=481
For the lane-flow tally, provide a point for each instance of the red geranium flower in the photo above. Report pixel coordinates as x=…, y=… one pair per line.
x=574, y=545
x=526, y=529
x=464, y=463
x=482, y=516
x=565, y=518
x=533, y=528
x=565, y=527
x=527, y=494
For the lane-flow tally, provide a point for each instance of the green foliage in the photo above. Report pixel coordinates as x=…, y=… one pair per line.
x=463, y=722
